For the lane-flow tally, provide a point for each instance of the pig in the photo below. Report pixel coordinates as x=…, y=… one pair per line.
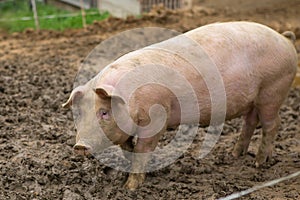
x=257, y=66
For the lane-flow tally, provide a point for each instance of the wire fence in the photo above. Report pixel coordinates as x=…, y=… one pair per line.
x=35, y=17
x=48, y=16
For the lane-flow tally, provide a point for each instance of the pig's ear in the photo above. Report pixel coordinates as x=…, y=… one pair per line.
x=74, y=95
x=104, y=91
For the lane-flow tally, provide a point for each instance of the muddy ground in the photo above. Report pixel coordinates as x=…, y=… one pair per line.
x=37, y=70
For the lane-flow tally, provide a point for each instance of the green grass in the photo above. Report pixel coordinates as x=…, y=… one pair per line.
x=20, y=8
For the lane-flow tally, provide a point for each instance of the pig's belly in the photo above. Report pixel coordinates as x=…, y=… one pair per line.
x=240, y=99
x=205, y=115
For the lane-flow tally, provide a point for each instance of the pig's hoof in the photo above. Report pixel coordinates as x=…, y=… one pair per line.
x=134, y=181
x=238, y=151
x=262, y=157
x=261, y=160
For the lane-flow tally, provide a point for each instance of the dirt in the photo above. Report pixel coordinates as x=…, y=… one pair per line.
x=36, y=134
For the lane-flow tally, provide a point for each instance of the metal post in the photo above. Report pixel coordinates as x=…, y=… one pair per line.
x=36, y=19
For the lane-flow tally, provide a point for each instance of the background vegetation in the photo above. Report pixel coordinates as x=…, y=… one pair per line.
x=12, y=11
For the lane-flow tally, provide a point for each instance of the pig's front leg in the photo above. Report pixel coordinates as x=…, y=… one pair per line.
x=127, y=148
x=141, y=156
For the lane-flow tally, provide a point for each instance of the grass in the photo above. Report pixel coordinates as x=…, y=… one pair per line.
x=16, y=9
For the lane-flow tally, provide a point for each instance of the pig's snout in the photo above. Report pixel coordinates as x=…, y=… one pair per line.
x=82, y=149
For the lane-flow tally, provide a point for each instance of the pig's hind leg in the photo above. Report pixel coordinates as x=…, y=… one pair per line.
x=270, y=121
x=269, y=100
x=250, y=123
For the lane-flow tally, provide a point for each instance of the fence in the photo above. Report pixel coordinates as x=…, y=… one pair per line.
x=125, y=8
x=16, y=5
x=146, y=5
x=115, y=7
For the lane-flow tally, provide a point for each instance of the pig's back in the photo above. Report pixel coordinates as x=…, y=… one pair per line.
x=246, y=46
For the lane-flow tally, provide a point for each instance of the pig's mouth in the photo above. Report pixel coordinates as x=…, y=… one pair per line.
x=82, y=149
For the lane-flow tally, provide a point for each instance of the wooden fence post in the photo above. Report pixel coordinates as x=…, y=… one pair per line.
x=36, y=19
x=83, y=14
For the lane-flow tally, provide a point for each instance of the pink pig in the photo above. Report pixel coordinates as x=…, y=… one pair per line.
x=257, y=66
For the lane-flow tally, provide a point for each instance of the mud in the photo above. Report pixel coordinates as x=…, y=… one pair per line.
x=37, y=70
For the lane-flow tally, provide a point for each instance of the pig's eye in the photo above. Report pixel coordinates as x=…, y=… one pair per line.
x=103, y=114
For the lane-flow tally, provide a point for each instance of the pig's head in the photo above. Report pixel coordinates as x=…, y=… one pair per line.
x=109, y=108
x=96, y=127
x=90, y=138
